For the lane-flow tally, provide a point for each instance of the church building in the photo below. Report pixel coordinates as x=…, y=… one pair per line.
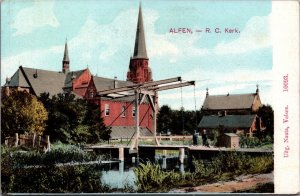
x=118, y=113
x=234, y=113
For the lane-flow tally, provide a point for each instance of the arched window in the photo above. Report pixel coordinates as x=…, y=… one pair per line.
x=123, y=111
x=133, y=111
x=106, y=110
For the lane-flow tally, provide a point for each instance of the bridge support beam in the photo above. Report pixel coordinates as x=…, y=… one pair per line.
x=181, y=155
x=121, y=154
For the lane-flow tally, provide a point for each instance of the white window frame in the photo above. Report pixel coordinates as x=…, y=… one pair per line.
x=106, y=111
x=123, y=111
x=133, y=111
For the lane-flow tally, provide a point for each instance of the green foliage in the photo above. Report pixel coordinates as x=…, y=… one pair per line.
x=225, y=166
x=73, y=120
x=251, y=142
x=64, y=179
x=58, y=154
x=234, y=163
x=45, y=176
x=22, y=113
x=266, y=113
x=151, y=178
x=177, y=120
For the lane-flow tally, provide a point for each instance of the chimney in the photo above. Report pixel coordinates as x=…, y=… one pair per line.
x=115, y=82
x=35, y=75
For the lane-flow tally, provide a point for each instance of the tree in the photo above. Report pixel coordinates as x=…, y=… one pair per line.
x=95, y=122
x=266, y=113
x=164, y=119
x=74, y=120
x=177, y=121
x=22, y=113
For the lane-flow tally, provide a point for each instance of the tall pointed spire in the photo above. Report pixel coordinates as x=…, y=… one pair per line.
x=66, y=60
x=66, y=53
x=140, y=43
x=139, y=70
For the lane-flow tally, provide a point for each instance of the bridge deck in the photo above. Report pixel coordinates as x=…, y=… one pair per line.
x=177, y=147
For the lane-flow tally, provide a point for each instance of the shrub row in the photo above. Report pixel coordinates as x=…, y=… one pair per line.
x=56, y=155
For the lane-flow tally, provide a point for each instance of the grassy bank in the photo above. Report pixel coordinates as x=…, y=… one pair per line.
x=226, y=166
x=44, y=176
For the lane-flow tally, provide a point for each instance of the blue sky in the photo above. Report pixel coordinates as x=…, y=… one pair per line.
x=101, y=36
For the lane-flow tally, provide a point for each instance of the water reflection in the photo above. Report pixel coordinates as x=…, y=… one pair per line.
x=119, y=174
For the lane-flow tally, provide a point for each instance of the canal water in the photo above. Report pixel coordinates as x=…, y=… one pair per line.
x=120, y=174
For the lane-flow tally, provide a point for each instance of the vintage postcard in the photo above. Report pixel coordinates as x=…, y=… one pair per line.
x=166, y=96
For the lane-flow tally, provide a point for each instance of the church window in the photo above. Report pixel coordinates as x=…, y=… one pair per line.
x=123, y=111
x=133, y=111
x=106, y=110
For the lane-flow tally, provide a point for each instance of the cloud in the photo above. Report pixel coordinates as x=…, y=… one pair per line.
x=110, y=37
x=207, y=78
x=40, y=14
x=34, y=59
x=255, y=35
x=242, y=81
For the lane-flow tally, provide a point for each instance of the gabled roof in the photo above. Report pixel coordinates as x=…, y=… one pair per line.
x=140, y=43
x=18, y=79
x=227, y=102
x=107, y=83
x=70, y=76
x=118, y=132
x=229, y=121
x=44, y=81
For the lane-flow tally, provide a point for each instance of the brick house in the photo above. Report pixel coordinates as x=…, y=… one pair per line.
x=119, y=113
x=234, y=113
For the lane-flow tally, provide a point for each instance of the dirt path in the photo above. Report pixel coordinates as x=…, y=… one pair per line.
x=241, y=183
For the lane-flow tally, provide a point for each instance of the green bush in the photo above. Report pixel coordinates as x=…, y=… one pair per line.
x=252, y=142
x=44, y=176
x=55, y=180
x=151, y=178
x=58, y=154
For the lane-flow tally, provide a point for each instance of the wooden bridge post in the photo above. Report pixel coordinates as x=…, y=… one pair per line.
x=17, y=140
x=121, y=154
x=48, y=142
x=181, y=155
x=33, y=139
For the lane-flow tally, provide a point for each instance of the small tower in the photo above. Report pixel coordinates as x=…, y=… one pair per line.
x=257, y=89
x=139, y=71
x=66, y=61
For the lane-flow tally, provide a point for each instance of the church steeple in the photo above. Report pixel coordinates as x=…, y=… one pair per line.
x=139, y=71
x=66, y=61
x=140, y=43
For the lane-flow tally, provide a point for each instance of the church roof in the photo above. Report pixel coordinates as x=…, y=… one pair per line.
x=44, y=81
x=228, y=121
x=140, y=43
x=227, y=102
x=102, y=83
x=18, y=79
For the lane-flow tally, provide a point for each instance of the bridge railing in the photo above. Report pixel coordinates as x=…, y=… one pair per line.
x=168, y=137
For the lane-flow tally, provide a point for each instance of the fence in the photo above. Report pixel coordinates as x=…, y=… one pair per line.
x=29, y=141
